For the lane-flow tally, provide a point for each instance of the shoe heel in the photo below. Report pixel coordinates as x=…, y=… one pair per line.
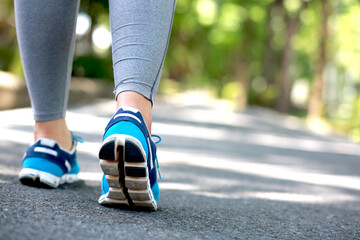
x=123, y=161
x=36, y=178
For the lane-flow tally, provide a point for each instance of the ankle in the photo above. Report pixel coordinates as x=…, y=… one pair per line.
x=56, y=130
x=138, y=101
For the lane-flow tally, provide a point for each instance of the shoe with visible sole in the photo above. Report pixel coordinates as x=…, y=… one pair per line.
x=128, y=160
x=47, y=165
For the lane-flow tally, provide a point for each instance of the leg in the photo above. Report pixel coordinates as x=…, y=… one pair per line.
x=46, y=35
x=140, y=31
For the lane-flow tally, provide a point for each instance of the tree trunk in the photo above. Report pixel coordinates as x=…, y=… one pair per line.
x=284, y=83
x=316, y=104
x=269, y=64
x=242, y=67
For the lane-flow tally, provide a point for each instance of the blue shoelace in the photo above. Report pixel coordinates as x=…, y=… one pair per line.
x=156, y=159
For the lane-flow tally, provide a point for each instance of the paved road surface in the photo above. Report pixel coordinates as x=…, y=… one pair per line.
x=249, y=175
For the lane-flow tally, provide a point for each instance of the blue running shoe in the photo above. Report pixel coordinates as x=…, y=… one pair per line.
x=47, y=165
x=128, y=160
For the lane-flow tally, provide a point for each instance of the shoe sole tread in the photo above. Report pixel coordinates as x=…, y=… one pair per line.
x=123, y=161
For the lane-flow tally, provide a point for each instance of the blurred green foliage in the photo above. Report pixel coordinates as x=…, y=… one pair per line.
x=246, y=51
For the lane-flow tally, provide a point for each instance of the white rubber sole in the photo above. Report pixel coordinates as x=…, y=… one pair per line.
x=123, y=161
x=33, y=177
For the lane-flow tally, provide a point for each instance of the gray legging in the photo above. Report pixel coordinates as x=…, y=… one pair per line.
x=46, y=35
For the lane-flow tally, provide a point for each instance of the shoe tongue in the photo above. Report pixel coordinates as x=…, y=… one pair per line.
x=47, y=142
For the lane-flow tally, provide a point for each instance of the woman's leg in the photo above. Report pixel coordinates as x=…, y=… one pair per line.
x=140, y=31
x=46, y=36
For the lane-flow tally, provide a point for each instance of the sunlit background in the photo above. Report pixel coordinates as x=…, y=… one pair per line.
x=297, y=57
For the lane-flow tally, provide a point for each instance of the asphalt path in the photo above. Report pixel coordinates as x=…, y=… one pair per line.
x=248, y=175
